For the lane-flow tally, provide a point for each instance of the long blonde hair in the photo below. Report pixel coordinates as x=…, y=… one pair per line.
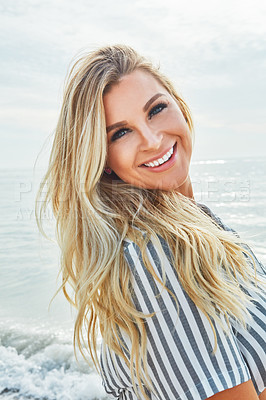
x=95, y=214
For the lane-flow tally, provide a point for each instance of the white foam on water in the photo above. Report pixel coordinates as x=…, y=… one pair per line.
x=206, y=162
x=39, y=364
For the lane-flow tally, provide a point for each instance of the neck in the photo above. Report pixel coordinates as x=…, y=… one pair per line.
x=186, y=189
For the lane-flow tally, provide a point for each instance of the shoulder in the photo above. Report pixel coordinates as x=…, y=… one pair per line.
x=260, y=268
x=157, y=253
x=215, y=217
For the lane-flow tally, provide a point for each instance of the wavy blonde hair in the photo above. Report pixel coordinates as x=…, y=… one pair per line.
x=95, y=213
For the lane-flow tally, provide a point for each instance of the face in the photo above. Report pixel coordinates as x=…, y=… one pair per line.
x=149, y=141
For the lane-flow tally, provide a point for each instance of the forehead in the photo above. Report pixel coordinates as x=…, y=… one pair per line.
x=139, y=80
x=132, y=91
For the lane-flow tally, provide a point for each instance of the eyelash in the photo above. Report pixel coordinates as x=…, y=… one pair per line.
x=118, y=134
x=158, y=108
x=154, y=111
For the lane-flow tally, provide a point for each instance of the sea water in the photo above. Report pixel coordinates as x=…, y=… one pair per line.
x=36, y=351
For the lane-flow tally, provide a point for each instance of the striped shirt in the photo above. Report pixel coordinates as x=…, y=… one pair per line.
x=181, y=364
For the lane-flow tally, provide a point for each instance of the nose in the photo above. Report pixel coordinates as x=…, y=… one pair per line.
x=151, y=139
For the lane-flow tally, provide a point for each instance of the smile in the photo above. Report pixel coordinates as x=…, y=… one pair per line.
x=161, y=160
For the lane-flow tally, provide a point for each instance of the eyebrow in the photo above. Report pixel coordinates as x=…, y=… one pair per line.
x=149, y=102
x=116, y=125
x=145, y=108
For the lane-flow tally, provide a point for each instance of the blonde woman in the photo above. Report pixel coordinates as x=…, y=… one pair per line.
x=174, y=293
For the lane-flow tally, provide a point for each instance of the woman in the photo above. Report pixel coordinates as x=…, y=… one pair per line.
x=171, y=289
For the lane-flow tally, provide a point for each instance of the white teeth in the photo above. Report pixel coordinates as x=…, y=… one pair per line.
x=162, y=160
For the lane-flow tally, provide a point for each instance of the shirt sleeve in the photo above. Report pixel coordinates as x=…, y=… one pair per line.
x=180, y=341
x=252, y=341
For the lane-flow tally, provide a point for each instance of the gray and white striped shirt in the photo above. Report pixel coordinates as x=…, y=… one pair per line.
x=181, y=364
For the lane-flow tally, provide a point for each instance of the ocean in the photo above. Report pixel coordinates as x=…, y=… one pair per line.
x=36, y=351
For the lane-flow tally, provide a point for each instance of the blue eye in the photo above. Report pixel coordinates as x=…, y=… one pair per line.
x=157, y=109
x=120, y=133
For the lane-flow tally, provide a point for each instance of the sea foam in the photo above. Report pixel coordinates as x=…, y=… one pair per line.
x=36, y=364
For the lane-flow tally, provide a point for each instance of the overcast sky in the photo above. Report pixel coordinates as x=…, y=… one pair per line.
x=214, y=51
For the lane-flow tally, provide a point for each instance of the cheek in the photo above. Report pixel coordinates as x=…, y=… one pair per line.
x=175, y=122
x=119, y=159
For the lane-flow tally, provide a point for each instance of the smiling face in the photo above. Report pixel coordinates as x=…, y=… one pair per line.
x=149, y=141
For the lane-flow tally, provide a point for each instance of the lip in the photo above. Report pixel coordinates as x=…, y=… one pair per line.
x=168, y=164
x=157, y=157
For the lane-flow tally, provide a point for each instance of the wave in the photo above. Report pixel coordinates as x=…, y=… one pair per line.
x=36, y=363
x=205, y=162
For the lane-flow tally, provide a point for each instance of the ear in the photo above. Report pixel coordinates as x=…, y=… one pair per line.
x=107, y=170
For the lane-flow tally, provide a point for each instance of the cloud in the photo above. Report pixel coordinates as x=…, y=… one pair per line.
x=213, y=50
